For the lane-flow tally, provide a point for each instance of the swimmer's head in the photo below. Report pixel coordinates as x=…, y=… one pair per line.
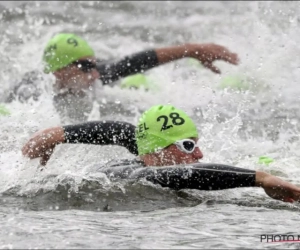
x=72, y=62
x=64, y=49
x=166, y=135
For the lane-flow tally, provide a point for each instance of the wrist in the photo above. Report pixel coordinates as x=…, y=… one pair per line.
x=192, y=50
x=259, y=178
x=170, y=54
x=56, y=135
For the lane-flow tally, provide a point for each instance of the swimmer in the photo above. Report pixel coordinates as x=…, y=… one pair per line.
x=73, y=63
x=164, y=136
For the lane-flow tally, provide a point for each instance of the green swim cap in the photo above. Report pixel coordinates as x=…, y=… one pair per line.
x=135, y=81
x=4, y=110
x=63, y=49
x=161, y=126
x=265, y=160
x=234, y=82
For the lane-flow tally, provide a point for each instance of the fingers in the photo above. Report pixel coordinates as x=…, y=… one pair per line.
x=222, y=53
x=212, y=52
x=29, y=149
x=293, y=191
x=42, y=141
x=25, y=150
x=212, y=68
x=44, y=159
x=231, y=58
x=286, y=199
x=42, y=144
x=32, y=149
x=34, y=152
x=290, y=193
x=296, y=195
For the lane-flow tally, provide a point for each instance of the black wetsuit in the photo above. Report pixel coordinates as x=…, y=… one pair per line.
x=202, y=176
x=76, y=107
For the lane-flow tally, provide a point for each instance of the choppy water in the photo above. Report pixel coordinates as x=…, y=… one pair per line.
x=67, y=206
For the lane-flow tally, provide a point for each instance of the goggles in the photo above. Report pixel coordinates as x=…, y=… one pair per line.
x=186, y=145
x=85, y=66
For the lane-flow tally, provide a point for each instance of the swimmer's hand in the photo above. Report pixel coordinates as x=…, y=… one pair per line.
x=42, y=144
x=205, y=53
x=208, y=53
x=276, y=188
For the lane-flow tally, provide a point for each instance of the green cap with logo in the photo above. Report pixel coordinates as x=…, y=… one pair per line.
x=63, y=49
x=161, y=126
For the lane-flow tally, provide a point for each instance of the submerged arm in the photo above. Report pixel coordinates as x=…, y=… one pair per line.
x=204, y=177
x=43, y=142
x=218, y=176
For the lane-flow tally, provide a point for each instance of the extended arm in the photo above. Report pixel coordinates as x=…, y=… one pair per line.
x=43, y=142
x=142, y=61
x=211, y=176
x=204, y=177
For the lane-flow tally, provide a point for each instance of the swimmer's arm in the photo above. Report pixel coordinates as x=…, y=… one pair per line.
x=42, y=143
x=206, y=177
x=145, y=60
x=102, y=133
x=218, y=177
x=136, y=63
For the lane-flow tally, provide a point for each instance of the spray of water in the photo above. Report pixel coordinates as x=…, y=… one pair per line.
x=236, y=126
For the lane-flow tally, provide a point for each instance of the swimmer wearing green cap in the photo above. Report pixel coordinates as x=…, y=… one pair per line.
x=67, y=53
x=76, y=69
x=164, y=136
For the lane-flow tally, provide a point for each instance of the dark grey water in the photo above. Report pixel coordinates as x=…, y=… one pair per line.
x=67, y=206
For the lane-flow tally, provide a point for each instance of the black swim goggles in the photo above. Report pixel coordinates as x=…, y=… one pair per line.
x=186, y=145
x=85, y=65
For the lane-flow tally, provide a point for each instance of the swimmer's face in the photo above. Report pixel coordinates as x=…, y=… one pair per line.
x=82, y=74
x=172, y=155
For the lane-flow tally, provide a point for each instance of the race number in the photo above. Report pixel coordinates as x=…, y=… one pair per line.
x=175, y=120
x=72, y=41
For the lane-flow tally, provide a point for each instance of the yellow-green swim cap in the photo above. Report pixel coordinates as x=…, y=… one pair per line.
x=161, y=126
x=63, y=49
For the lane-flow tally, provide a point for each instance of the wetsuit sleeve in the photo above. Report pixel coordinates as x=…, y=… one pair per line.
x=203, y=177
x=103, y=133
x=133, y=64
